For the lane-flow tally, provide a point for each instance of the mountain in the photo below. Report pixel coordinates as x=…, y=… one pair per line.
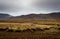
x=55, y=15
x=4, y=16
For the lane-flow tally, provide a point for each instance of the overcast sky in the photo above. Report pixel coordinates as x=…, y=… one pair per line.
x=21, y=7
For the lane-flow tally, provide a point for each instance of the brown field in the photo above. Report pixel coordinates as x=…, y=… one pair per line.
x=30, y=29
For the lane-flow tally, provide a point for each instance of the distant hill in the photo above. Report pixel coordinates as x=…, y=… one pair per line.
x=4, y=16
x=55, y=15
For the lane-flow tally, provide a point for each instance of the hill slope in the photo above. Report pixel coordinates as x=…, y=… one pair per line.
x=55, y=15
x=4, y=16
x=40, y=16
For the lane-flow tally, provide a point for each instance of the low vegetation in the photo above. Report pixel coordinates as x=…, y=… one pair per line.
x=25, y=26
x=32, y=29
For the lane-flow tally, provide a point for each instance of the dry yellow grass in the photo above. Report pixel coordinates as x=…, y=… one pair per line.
x=43, y=29
x=24, y=26
x=29, y=24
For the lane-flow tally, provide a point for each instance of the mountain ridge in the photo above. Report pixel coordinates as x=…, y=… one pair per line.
x=55, y=15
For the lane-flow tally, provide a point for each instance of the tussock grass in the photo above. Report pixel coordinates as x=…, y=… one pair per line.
x=24, y=26
x=30, y=29
x=32, y=25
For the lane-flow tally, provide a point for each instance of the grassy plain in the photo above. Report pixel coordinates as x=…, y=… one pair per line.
x=30, y=29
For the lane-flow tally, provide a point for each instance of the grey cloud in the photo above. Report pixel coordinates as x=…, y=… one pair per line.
x=26, y=6
x=48, y=5
x=9, y=6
